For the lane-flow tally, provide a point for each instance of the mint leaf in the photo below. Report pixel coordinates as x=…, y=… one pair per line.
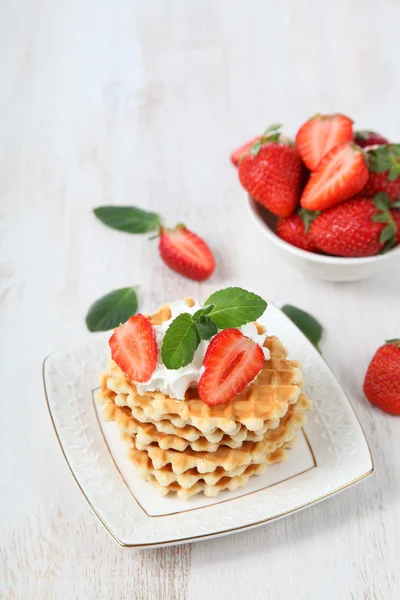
x=234, y=307
x=202, y=312
x=112, y=309
x=128, y=218
x=206, y=328
x=180, y=342
x=306, y=323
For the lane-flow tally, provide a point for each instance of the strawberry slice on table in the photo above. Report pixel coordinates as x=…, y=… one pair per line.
x=231, y=362
x=186, y=253
x=341, y=174
x=240, y=152
x=358, y=227
x=320, y=134
x=382, y=380
x=134, y=348
x=272, y=173
x=293, y=230
x=369, y=138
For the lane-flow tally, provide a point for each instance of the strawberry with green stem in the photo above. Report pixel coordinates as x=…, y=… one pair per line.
x=384, y=171
x=181, y=250
x=272, y=173
x=358, y=227
x=294, y=229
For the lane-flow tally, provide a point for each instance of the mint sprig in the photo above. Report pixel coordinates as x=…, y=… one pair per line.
x=230, y=307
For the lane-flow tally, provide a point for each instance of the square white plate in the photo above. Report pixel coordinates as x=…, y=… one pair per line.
x=332, y=453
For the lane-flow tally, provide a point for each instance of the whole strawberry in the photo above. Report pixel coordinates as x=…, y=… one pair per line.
x=294, y=231
x=382, y=381
x=384, y=171
x=369, y=138
x=272, y=173
x=358, y=227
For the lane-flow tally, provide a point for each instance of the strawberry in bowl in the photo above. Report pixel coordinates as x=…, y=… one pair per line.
x=330, y=201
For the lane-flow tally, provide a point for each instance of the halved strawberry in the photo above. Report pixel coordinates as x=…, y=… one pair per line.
x=134, y=348
x=240, y=152
x=186, y=253
x=341, y=174
x=231, y=362
x=320, y=134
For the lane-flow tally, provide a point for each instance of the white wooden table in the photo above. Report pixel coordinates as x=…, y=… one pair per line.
x=140, y=103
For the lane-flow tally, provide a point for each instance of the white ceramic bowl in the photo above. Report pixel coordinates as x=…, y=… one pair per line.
x=329, y=268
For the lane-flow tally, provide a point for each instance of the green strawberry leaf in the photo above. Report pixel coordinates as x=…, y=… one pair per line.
x=379, y=159
x=396, y=204
x=180, y=342
x=379, y=218
x=128, y=218
x=256, y=147
x=112, y=309
x=308, y=216
x=394, y=172
x=388, y=233
x=306, y=323
x=381, y=201
x=206, y=328
x=394, y=341
x=234, y=307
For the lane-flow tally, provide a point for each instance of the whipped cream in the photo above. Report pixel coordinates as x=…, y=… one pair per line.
x=175, y=382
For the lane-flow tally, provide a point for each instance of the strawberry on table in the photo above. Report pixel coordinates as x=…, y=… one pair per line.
x=180, y=249
x=341, y=174
x=320, y=134
x=240, y=152
x=384, y=171
x=231, y=362
x=294, y=231
x=358, y=227
x=272, y=173
x=186, y=253
x=382, y=380
x=369, y=138
x=134, y=348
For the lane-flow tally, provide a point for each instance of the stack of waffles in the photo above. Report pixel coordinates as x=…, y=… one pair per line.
x=187, y=447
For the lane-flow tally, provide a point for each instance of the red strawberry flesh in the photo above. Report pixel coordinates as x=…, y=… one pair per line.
x=320, y=134
x=186, y=253
x=134, y=348
x=341, y=174
x=231, y=362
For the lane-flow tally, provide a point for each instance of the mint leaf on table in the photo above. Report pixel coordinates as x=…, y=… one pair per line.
x=234, y=307
x=180, y=342
x=206, y=328
x=128, y=218
x=306, y=323
x=112, y=309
